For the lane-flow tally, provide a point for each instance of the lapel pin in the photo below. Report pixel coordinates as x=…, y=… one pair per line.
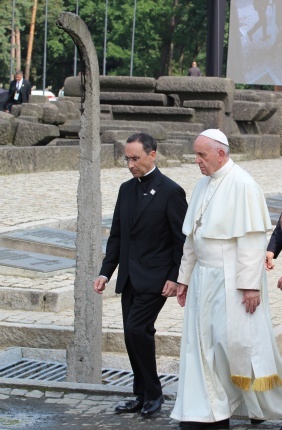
x=152, y=192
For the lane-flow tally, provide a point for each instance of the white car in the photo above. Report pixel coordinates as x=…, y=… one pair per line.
x=49, y=94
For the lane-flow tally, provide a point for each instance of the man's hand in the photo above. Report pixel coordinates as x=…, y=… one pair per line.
x=169, y=289
x=279, y=283
x=269, y=260
x=252, y=300
x=181, y=294
x=100, y=284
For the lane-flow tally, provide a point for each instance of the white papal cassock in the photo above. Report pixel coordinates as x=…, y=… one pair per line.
x=229, y=360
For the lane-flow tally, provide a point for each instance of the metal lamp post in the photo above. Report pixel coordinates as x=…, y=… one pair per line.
x=105, y=39
x=75, y=48
x=12, y=41
x=133, y=38
x=45, y=47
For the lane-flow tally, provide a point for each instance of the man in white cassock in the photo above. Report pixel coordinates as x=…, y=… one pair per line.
x=229, y=360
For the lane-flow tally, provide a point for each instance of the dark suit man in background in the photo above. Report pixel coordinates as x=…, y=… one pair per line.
x=146, y=240
x=194, y=70
x=19, y=91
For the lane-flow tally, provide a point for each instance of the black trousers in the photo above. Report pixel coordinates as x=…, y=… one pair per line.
x=140, y=311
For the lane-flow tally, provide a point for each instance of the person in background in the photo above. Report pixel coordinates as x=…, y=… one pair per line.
x=274, y=248
x=229, y=360
x=19, y=91
x=194, y=70
x=146, y=242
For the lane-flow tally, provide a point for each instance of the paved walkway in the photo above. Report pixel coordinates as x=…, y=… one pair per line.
x=27, y=199
x=47, y=197
x=23, y=409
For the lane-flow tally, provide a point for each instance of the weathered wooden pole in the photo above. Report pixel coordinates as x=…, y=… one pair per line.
x=84, y=357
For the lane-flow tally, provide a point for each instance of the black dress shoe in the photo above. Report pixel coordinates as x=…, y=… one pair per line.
x=255, y=422
x=130, y=407
x=151, y=407
x=194, y=425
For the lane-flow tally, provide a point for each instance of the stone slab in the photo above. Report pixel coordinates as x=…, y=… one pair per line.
x=32, y=261
x=45, y=240
x=153, y=113
x=50, y=236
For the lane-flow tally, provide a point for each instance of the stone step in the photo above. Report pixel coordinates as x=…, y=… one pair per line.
x=52, y=294
x=55, y=331
x=36, y=300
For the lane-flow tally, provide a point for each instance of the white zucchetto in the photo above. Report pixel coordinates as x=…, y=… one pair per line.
x=215, y=134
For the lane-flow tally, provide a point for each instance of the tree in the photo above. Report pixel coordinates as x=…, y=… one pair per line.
x=169, y=35
x=30, y=40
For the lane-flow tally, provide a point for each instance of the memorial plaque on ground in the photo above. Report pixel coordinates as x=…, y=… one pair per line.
x=49, y=236
x=34, y=261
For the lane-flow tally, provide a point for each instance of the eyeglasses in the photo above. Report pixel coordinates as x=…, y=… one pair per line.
x=133, y=159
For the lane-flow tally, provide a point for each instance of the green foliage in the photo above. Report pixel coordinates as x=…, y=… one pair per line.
x=169, y=35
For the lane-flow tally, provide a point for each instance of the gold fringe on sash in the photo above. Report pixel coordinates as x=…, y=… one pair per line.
x=259, y=384
x=242, y=382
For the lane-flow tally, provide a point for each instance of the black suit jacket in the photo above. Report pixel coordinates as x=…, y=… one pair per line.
x=148, y=249
x=25, y=92
x=275, y=243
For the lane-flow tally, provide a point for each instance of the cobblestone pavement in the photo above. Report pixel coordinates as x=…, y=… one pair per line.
x=27, y=199
x=51, y=196
x=47, y=196
x=35, y=410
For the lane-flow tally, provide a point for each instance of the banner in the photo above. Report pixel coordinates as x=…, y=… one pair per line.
x=255, y=42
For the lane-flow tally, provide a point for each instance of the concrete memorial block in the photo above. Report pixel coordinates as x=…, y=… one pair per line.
x=6, y=132
x=31, y=109
x=37, y=134
x=24, y=262
x=51, y=114
x=84, y=356
x=136, y=99
x=201, y=88
x=208, y=112
x=153, y=113
x=127, y=84
x=106, y=112
x=261, y=146
x=69, y=128
x=73, y=86
x=16, y=110
x=38, y=99
x=246, y=95
x=158, y=131
x=249, y=111
x=269, y=148
x=70, y=109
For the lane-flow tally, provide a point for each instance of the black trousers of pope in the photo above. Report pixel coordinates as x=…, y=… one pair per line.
x=140, y=311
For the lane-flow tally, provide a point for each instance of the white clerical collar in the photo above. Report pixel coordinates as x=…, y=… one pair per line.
x=223, y=170
x=148, y=173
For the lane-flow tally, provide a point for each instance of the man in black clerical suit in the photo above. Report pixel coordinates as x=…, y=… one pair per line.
x=146, y=241
x=19, y=91
x=274, y=248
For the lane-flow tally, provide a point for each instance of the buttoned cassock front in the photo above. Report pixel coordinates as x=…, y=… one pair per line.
x=146, y=240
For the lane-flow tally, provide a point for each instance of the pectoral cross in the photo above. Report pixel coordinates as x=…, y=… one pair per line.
x=198, y=223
